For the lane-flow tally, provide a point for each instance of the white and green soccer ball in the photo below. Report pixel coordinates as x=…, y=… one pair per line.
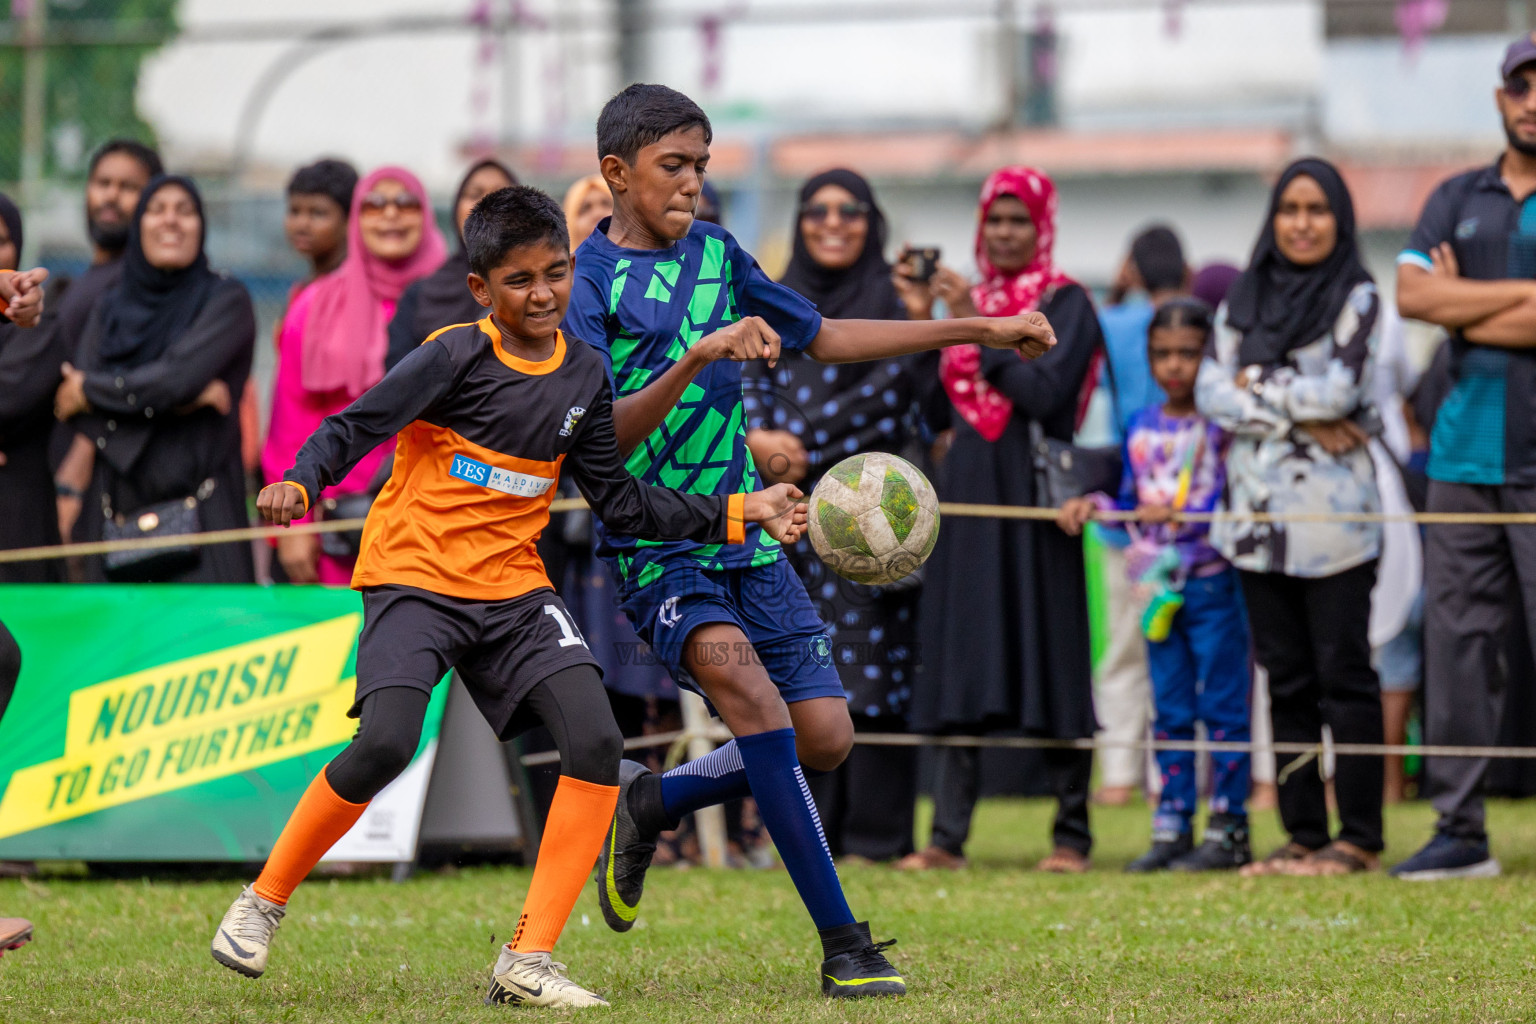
x=874, y=518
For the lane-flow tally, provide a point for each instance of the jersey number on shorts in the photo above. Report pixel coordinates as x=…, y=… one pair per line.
x=570, y=636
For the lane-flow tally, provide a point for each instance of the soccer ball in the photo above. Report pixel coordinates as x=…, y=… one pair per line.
x=874, y=518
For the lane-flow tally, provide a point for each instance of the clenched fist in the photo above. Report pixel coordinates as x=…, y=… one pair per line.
x=747, y=338
x=1030, y=333
x=281, y=503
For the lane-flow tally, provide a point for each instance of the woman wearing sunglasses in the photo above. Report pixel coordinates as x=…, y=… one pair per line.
x=333, y=341
x=443, y=297
x=805, y=417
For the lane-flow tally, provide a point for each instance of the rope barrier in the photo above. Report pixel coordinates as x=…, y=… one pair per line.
x=719, y=734
x=209, y=537
x=658, y=739
x=1116, y=516
x=946, y=508
x=677, y=740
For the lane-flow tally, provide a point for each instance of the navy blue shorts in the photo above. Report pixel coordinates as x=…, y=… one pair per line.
x=767, y=602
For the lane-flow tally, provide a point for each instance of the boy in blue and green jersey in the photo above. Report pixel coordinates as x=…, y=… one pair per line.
x=677, y=306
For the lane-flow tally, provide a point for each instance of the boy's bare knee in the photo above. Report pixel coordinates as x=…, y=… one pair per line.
x=746, y=705
x=760, y=711
x=828, y=748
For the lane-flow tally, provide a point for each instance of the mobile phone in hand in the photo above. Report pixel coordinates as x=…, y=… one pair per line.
x=922, y=263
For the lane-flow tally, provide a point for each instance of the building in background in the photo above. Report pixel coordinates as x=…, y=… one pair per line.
x=1178, y=110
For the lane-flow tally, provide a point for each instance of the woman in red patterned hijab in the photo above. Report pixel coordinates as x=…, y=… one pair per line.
x=1015, y=236
x=1004, y=617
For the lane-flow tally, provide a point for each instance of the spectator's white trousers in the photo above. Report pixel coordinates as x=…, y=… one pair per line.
x=1122, y=686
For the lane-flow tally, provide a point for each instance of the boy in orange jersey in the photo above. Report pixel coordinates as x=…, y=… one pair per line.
x=486, y=415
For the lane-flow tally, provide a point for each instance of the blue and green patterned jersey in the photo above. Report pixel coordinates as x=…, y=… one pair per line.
x=643, y=309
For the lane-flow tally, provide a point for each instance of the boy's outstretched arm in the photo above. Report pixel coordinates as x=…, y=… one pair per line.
x=342, y=440
x=628, y=506
x=636, y=416
x=852, y=341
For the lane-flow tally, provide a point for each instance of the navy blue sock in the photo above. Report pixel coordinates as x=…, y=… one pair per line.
x=713, y=779
x=788, y=812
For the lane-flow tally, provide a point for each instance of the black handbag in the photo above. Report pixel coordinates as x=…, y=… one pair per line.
x=176, y=518
x=1064, y=470
x=344, y=544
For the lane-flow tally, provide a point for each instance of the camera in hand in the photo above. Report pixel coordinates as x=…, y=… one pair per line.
x=922, y=263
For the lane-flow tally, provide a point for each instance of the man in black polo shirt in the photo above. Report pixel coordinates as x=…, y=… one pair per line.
x=1471, y=267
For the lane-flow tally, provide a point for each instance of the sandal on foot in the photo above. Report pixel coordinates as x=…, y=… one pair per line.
x=1337, y=858
x=1112, y=796
x=931, y=858
x=1277, y=862
x=1064, y=861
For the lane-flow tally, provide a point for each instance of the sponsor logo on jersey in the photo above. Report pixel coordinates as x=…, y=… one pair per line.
x=668, y=615
x=507, y=481
x=1466, y=229
x=573, y=416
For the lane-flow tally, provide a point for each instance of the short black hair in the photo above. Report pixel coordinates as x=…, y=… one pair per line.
x=643, y=115
x=147, y=157
x=1159, y=258
x=508, y=218
x=1182, y=311
x=335, y=179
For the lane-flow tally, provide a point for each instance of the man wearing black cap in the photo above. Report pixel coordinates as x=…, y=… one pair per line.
x=1471, y=267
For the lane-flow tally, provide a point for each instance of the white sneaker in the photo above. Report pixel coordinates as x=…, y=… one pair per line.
x=245, y=933
x=533, y=979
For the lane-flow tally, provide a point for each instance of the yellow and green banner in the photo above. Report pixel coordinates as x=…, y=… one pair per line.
x=182, y=722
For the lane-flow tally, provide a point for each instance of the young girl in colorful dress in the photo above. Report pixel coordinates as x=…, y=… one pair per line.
x=1197, y=631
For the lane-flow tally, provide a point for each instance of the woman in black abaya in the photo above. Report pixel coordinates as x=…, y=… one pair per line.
x=1005, y=610
x=805, y=418
x=162, y=363
x=29, y=374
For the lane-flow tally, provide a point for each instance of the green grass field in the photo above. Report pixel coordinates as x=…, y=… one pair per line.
x=996, y=943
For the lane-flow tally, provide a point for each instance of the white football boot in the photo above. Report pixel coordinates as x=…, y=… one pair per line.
x=245, y=933
x=534, y=979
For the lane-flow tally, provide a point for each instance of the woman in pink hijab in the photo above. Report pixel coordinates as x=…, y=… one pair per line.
x=1004, y=615
x=334, y=337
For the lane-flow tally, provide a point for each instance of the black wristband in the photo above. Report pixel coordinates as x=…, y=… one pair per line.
x=64, y=490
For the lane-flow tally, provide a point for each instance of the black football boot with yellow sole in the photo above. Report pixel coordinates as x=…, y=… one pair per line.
x=855, y=966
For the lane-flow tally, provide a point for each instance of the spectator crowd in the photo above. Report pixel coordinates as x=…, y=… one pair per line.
x=1277, y=390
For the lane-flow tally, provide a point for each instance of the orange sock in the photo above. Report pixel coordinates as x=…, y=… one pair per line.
x=321, y=818
x=578, y=820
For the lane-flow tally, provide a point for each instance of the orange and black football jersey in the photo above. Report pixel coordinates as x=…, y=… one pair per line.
x=483, y=436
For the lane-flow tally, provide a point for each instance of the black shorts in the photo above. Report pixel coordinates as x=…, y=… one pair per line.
x=501, y=649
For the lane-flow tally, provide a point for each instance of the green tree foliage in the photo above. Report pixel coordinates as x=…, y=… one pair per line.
x=91, y=87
